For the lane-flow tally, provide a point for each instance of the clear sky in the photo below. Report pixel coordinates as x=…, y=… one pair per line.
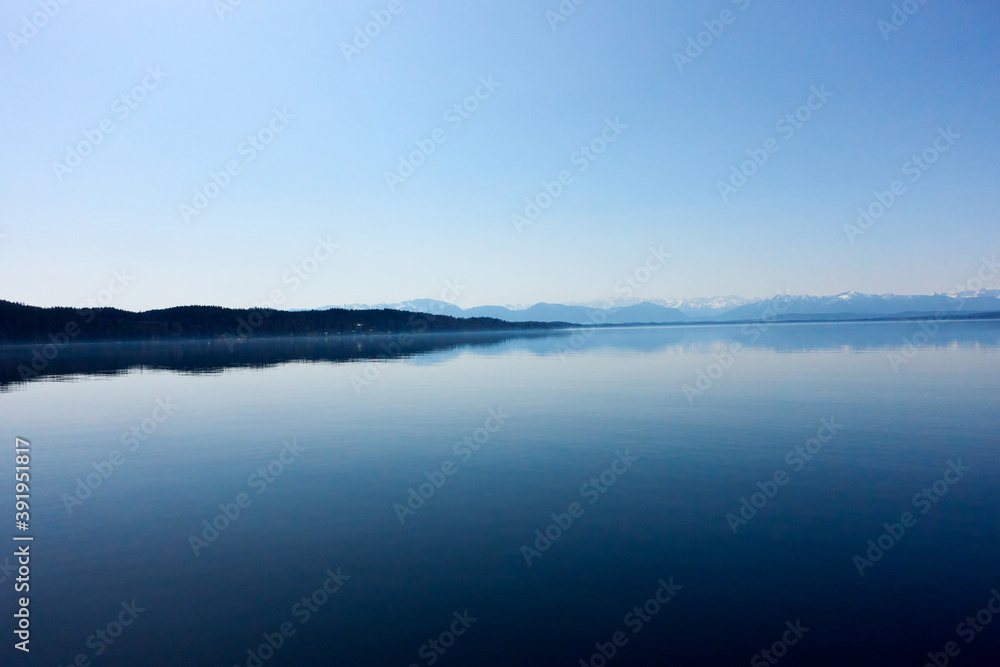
x=199, y=80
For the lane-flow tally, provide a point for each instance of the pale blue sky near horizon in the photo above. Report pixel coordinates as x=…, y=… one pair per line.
x=656, y=185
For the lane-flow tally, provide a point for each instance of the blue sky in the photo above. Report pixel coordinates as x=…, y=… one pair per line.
x=344, y=122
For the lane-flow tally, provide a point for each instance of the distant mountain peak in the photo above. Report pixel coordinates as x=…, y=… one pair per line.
x=634, y=310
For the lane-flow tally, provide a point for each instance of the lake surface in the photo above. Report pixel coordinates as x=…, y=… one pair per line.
x=700, y=495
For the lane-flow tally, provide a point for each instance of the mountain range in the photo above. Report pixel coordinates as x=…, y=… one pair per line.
x=848, y=305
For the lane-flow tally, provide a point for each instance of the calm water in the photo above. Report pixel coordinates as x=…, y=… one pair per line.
x=837, y=429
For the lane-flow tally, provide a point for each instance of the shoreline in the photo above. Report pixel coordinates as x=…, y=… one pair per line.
x=535, y=328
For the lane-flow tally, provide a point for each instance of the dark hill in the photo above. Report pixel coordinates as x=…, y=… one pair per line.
x=20, y=323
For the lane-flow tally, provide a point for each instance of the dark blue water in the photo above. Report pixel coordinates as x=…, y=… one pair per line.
x=412, y=487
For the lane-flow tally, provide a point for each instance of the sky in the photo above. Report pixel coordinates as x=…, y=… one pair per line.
x=236, y=153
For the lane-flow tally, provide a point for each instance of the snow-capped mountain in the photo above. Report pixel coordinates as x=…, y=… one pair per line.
x=540, y=312
x=708, y=307
x=718, y=309
x=704, y=307
x=871, y=305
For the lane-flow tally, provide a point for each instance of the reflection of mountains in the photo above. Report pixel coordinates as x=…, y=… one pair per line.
x=793, y=337
x=16, y=362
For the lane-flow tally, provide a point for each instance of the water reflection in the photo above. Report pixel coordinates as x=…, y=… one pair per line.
x=21, y=364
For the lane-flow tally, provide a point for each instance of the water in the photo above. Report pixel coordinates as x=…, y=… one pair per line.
x=357, y=431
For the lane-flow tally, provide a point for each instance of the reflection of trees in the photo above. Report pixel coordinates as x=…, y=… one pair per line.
x=213, y=356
